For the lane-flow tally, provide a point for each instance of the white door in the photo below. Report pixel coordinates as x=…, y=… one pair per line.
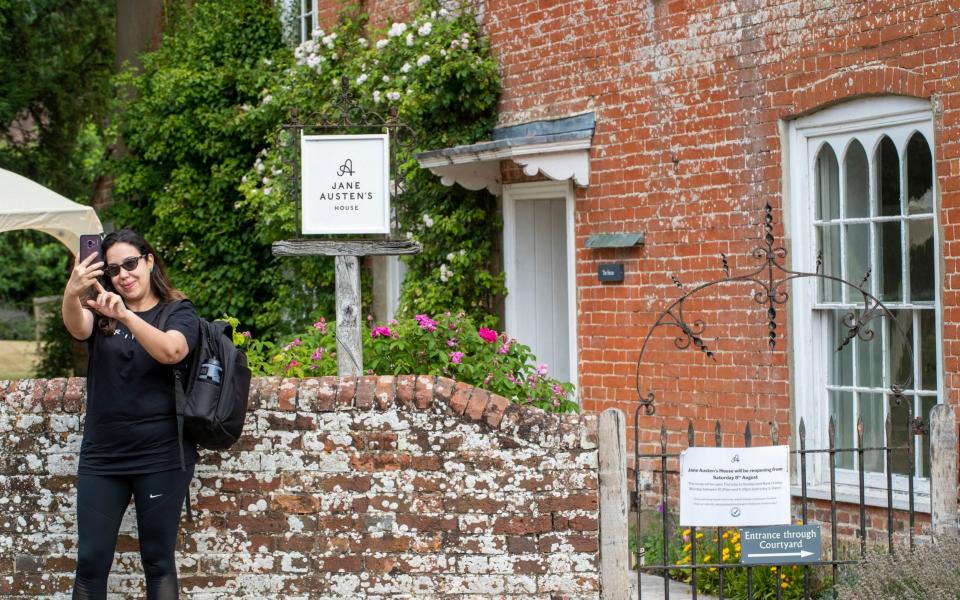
x=538, y=258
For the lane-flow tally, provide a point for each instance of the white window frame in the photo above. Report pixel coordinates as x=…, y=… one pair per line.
x=309, y=12
x=292, y=13
x=870, y=118
x=535, y=191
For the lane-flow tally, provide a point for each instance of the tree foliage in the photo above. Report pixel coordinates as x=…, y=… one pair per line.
x=56, y=58
x=188, y=148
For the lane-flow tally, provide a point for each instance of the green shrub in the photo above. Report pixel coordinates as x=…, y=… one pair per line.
x=16, y=324
x=450, y=345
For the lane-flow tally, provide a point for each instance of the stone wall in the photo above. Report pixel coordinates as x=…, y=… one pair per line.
x=368, y=487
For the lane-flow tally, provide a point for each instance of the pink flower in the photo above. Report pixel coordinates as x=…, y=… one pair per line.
x=426, y=323
x=292, y=364
x=542, y=370
x=293, y=344
x=504, y=348
x=317, y=354
x=247, y=334
x=511, y=378
x=487, y=335
x=321, y=325
x=380, y=332
x=456, y=357
x=451, y=343
x=558, y=390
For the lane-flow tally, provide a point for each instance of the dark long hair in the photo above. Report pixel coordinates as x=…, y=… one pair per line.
x=160, y=283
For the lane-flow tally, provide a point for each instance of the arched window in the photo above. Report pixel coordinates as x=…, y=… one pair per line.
x=862, y=200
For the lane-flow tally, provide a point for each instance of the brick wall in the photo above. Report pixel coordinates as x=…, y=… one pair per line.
x=688, y=96
x=341, y=488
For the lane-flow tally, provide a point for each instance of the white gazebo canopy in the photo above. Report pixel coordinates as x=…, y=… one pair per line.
x=25, y=204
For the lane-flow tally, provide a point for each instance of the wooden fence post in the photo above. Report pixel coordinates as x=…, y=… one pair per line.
x=614, y=551
x=349, y=343
x=943, y=470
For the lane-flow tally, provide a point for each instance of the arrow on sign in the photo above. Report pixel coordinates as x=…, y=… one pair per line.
x=801, y=554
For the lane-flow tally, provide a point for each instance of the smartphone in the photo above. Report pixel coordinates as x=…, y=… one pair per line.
x=89, y=244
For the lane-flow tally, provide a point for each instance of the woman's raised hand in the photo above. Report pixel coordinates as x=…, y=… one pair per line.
x=84, y=276
x=108, y=304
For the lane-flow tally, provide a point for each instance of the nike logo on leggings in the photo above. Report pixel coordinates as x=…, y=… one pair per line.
x=155, y=496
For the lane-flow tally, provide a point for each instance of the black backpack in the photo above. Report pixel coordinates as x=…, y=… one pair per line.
x=211, y=402
x=210, y=413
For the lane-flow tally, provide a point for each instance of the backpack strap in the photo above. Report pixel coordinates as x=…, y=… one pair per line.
x=179, y=394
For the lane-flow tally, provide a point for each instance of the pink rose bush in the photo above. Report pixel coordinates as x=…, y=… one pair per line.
x=449, y=345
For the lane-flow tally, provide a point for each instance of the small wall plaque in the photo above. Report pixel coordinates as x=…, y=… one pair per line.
x=610, y=272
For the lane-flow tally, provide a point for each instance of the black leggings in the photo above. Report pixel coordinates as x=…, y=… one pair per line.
x=101, y=502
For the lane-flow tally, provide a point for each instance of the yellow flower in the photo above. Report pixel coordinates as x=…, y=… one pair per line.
x=726, y=534
x=784, y=585
x=686, y=548
x=699, y=535
x=736, y=547
x=707, y=558
x=712, y=569
x=685, y=532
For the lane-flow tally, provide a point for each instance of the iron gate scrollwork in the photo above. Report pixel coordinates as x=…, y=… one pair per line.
x=770, y=281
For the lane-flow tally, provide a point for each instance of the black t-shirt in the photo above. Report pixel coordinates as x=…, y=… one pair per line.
x=131, y=421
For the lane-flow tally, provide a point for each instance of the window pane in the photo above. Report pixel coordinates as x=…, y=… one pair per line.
x=306, y=27
x=888, y=178
x=919, y=176
x=921, y=260
x=870, y=356
x=900, y=348
x=841, y=409
x=858, y=258
x=828, y=185
x=871, y=411
x=891, y=276
x=828, y=245
x=899, y=426
x=841, y=361
x=928, y=350
x=857, y=182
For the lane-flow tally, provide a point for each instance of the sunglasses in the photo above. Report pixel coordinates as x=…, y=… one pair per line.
x=128, y=264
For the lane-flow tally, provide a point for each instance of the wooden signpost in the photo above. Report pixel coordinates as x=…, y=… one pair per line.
x=346, y=181
x=347, y=253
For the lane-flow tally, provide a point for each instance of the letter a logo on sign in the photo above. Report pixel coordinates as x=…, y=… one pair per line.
x=346, y=168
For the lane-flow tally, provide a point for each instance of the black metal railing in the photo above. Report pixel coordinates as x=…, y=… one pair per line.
x=802, y=457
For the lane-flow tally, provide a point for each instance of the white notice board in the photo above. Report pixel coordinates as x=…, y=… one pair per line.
x=345, y=183
x=735, y=486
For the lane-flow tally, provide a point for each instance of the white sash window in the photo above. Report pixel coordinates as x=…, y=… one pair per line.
x=863, y=197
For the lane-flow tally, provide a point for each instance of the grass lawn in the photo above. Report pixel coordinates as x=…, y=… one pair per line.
x=17, y=359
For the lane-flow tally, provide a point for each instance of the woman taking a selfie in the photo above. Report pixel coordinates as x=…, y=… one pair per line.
x=130, y=444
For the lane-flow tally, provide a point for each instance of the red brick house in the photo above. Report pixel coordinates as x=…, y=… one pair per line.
x=673, y=123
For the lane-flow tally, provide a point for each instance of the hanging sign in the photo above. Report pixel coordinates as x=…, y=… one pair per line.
x=345, y=183
x=735, y=486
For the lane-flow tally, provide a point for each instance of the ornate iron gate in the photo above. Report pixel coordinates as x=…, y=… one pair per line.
x=769, y=281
